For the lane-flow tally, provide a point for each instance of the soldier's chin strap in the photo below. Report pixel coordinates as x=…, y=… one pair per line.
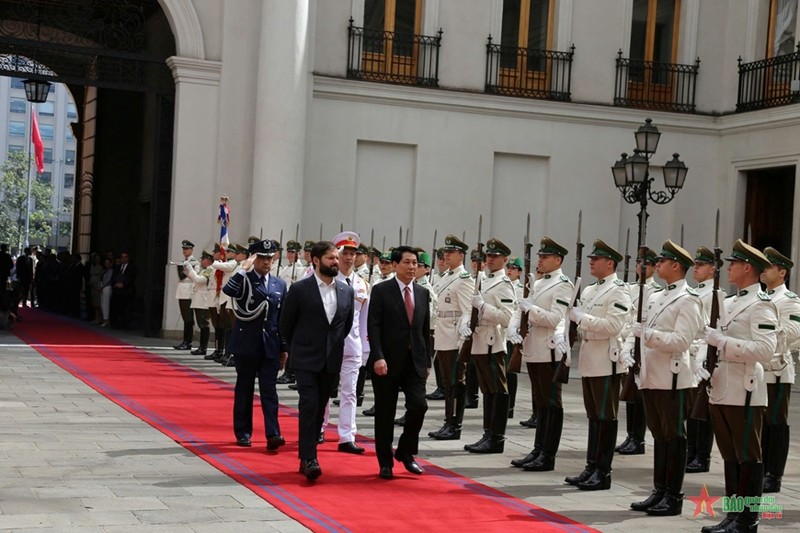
x=247, y=313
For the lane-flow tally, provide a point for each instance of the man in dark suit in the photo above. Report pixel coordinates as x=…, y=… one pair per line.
x=255, y=343
x=399, y=335
x=122, y=291
x=316, y=317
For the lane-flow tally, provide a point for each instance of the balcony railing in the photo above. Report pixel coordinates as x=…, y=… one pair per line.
x=391, y=57
x=768, y=82
x=652, y=85
x=512, y=71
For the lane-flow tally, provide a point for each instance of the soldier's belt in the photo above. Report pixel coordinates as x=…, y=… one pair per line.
x=444, y=314
x=589, y=336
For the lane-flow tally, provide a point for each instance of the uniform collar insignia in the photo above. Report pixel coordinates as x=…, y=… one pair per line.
x=601, y=281
x=771, y=291
x=701, y=285
x=670, y=287
x=547, y=276
x=742, y=292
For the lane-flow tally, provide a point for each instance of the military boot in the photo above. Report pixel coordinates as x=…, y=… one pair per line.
x=591, y=451
x=553, y=425
x=775, y=459
x=659, y=477
x=205, y=333
x=601, y=477
x=672, y=503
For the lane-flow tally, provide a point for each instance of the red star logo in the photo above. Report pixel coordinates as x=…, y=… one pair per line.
x=704, y=503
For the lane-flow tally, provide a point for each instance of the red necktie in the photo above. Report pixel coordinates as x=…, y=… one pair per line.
x=409, y=305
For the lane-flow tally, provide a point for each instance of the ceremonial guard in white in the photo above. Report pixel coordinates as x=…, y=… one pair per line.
x=203, y=297
x=184, y=293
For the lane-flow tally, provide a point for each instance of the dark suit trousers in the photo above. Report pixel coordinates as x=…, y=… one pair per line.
x=314, y=389
x=386, y=390
x=248, y=367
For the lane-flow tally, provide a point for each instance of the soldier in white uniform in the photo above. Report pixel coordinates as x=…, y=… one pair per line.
x=453, y=293
x=746, y=340
x=423, y=280
x=779, y=373
x=542, y=349
x=219, y=313
x=476, y=257
x=204, y=296
x=384, y=271
x=495, y=303
x=514, y=270
x=635, y=416
x=361, y=267
x=293, y=269
x=184, y=294
x=601, y=318
x=700, y=433
x=671, y=320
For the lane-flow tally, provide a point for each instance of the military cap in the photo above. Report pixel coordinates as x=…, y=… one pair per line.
x=703, y=255
x=439, y=254
x=277, y=245
x=252, y=238
x=497, y=247
x=240, y=248
x=670, y=250
x=293, y=246
x=308, y=245
x=186, y=243
x=374, y=251
x=744, y=252
x=777, y=258
x=425, y=258
x=476, y=255
x=650, y=256
x=548, y=246
x=265, y=248
x=601, y=249
x=206, y=255
x=362, y=249
x=347, y=239
x=386, y=257
x=451, y=242
x=216, y=248
x=516, y=262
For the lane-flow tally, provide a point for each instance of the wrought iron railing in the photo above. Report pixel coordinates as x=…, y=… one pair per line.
x=513, y=71
x=653, y=85
x=768, y=82
x=391, y=57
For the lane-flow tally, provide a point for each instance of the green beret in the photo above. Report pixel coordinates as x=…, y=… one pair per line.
x=548, y=246
x=777, y=258
x=497, y=247
x=516, y=262
x=293, y=246
x=744, y=252
x=425, y=258
x=601, y=249
x=451, y=242
x=206, y=255
x=308, y=245
x=185, y=243
x=670, y=250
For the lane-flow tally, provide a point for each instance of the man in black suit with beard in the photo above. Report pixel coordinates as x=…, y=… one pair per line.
x=316, y=317
x=399, y=336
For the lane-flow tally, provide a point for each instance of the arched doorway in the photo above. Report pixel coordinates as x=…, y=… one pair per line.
x=112, y=56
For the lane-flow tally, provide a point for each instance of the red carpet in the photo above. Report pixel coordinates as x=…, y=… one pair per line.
x=195, y=410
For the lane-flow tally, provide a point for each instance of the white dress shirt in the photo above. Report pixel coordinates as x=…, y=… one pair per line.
x=328, y=293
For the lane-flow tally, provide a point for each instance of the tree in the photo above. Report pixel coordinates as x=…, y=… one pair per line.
x=13, y=200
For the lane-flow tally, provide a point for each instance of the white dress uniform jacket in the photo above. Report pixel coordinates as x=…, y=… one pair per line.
x=205, y=294
x=454, y=297
x=782, y=365
x=425, y=282
x=185, y=288
x=228, y=268
x=606, y=304
x=500, y=302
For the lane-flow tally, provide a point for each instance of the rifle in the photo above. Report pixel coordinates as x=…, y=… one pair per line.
x=561, y=374
x=466, y=348
x=280, y=250
x=627, y=264
x=294, y=263
x=629, y=389
x=433, y=257
x=700, y=409
x=371, y=254
x=515, y=362
x=320, y=231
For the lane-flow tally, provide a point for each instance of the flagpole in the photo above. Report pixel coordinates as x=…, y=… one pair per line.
x=28, y=196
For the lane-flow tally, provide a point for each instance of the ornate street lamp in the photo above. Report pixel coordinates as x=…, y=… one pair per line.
x=36, y=91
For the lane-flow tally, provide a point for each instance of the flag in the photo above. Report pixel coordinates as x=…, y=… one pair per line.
x=223, y=217
x=38, y=145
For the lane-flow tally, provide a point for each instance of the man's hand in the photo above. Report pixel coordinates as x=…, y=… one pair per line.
x=637, y=329
x=561, y=345
x=525, y=305
x=714, y=337
x=248, y=263
x=477, y=302
x=464, y=330
x=627, y=360
x=700, y=372
x=514, y=337
x=380, y=367
x=576, y=314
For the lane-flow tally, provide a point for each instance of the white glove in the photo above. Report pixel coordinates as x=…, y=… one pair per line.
x=525, y=305
x=700, y=371
x=477, y=302
x=561, y=343
x=627, y=360
x=514, y=337
x=576, y=314
x=464, y=330
x=637, y=329
x=460, y=343
x=714, y=337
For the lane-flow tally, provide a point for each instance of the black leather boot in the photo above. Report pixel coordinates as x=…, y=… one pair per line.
x=554, y=423
x=601, y=477
x=449, y=408
x=591, y=449
x=205, y=333
x=775, y=459
x=659, y=477
x=636, y=426
x=188, y=333
x=222, y=343
x=705, y=440
x=691, y=440
x=453, y=431
x=751, y=481
x=732, y=469
x=537, y=440
x=497, y=425
x=672, y=503
x=511, y=378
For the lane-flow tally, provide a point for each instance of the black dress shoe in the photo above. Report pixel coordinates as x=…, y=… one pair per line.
x=435, y=395
x=400, y=421
x=599, y=480
x=633, y=448
x=274, y=442
x=350, y=447
x=310, y=468
x=410, y=464
x=243, y=441
x=229, y=361
x=525, y=460
x=336, y=401
x=623, y=444
x=472, y=403
x=698, y=465
x=293, y=386
x=386, y=472
x=285, y=379
x=369, y=412
x=655, y=496
x=184, y=346
x=580, y=478
x=199, y=351
x=213, y=355
x=529, y=423
x=448, y=432
x=321, y=438
x=543, y=463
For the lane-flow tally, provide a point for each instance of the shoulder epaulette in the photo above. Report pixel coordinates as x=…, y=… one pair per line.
x=790, y=294
x=691, y=291
x=619, y=282
x=506, y=278
x=763, y=296
x=464, y=274
x=564, y=278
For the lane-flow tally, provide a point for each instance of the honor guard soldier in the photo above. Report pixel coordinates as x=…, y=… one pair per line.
x=671, y=320
x=542, y=349
x=205, y=288
x=293, y=269
x=779, y=373
x=746, y=339
x=699, y=433
x=309, y=270
x=361, y=266
x=453, y=291
x=514, y=270
x=441, y=266
x=423, y=280
x=601, y=317
x=472, y=377
x=384, y=271
x=496, y=303
x=184, y=294
x=226, y=264
x=635, y=417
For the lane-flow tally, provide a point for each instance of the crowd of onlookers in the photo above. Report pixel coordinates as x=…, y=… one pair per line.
x=101, y=290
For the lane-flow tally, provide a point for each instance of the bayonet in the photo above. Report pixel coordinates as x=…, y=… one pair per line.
x=627, y=264
x=681, y=235
x=433, y=256
x=320, y=231
x=280, y=252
